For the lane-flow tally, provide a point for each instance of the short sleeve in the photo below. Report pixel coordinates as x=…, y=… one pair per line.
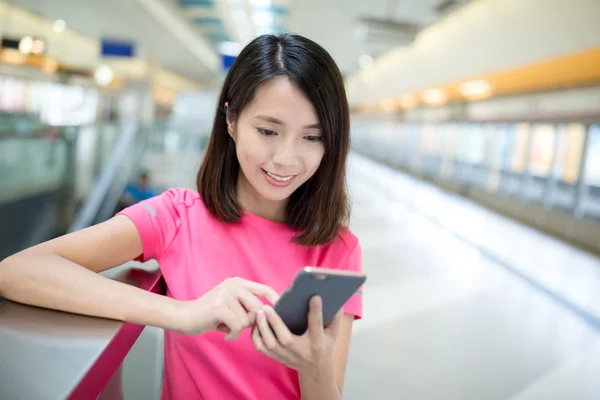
x=354, y=305
x=157, y=220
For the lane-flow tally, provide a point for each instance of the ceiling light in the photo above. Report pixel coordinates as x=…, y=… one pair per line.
x=434, y=96
x=104, y=75
x=408, y=101
x=38, y=47
x=26, y=45
x=59, y=26
x=389, y=105
x=365, y=61
x=476, y=89
x=260, y=3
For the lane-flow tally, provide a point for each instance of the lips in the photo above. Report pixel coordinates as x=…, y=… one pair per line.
x=278, y=180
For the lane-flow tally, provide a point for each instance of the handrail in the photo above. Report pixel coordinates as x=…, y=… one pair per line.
x=96, y=347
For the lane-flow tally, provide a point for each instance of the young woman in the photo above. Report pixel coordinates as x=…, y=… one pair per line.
x=271, y=199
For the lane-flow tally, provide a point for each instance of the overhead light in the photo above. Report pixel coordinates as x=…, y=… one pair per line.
x=104, y=75
x=26, y=45
x=476, y=89
x=365, y=61
x=59, y=26
x=434, y=96
x=229, y=48
x=260, y=3
x=38, y=47
x=262, y=18
x=389, y=105
x=408, y=101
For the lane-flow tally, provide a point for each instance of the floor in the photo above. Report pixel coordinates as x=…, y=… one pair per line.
x=464, y=304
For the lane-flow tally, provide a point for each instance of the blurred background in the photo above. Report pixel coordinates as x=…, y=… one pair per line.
x=475, y=175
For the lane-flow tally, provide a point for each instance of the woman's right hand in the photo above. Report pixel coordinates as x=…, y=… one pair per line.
x=230, y=307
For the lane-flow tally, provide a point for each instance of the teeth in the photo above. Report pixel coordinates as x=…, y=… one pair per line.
x=280, y=178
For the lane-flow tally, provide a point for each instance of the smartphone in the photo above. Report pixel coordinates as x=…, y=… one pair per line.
x=334, y=286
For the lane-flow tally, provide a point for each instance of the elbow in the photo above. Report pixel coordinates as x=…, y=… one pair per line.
x=4, y=272
x=9, y=273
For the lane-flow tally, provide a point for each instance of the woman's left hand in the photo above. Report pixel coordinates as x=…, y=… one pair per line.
x=303, y=353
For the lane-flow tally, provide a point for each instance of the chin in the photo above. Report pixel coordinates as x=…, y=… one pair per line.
x=276, y=195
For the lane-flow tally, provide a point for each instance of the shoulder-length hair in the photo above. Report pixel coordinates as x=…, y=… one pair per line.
x=319, y=208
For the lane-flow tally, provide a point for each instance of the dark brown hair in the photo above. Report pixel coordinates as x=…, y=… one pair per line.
x=319, y=208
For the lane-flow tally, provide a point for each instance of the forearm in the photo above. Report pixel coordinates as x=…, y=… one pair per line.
x=320, y=384
x=50, y=281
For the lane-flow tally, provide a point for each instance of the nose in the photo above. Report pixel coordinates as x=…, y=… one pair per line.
x=285, y=154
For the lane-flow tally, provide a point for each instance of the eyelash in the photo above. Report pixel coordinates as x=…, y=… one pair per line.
x=269, y=133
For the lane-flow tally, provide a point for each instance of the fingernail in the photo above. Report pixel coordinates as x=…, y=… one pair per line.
x=268, y=310
x=316, y=301
x=261, y=315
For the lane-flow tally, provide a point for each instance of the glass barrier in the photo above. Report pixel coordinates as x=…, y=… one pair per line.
x=553, y=164
x=28, y=164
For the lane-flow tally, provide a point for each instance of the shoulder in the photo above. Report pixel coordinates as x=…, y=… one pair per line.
x=174, y=204
x=346, y=241
x=343, y=252
x=182, y=197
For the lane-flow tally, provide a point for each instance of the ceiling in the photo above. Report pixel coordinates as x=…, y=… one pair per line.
x=332, y=23
x=130, y=20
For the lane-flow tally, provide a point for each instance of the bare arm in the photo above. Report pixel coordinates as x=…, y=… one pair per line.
x=62, y=274
x=328, y=382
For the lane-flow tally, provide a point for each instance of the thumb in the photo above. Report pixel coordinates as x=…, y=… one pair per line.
x=315, y=317
x=333, y=328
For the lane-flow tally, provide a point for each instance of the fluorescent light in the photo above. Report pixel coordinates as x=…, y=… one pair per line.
x=260, y=3
x=434, y=96
x=389, y=105
x=477, y=88
x=59, y=26
x=408, y=101
x=26, y=45
x=366, y=61
x=104, y=75
x=38, y=47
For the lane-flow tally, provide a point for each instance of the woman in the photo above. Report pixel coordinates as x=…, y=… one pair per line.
x=271, y=199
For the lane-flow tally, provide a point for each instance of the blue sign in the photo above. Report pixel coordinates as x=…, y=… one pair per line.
x=117, y=48
x=227, y=61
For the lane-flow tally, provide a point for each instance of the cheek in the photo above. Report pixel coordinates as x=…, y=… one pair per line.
x=313, y=158
x=250, y=150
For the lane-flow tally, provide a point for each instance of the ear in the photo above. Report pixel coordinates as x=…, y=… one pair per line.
x=230, y=124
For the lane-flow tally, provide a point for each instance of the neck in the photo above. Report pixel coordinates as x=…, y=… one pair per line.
x=250, y=201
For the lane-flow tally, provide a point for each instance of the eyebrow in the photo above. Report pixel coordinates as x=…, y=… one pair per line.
x=275, y=121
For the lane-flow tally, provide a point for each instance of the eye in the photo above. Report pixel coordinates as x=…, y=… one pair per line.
x=266, y=132
x=313, y=138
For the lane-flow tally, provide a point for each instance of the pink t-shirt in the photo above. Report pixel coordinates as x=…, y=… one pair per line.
x=196, y=252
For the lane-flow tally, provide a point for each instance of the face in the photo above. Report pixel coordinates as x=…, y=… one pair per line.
x=278, y=141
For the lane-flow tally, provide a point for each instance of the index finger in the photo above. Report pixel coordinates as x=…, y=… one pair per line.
x=265, y=291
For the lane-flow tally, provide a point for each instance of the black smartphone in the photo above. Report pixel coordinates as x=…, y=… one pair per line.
x=334, y=287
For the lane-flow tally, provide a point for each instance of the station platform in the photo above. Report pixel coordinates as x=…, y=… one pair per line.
x=462, y=303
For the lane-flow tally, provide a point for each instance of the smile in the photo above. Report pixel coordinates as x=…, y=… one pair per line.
x=278, y=180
